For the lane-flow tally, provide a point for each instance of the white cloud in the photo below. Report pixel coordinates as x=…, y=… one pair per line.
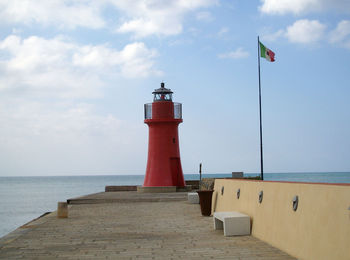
x=204, y=16
x=305, y=31
x=52, y=121
x=142, y=28
x=64, y=14
x=239, y=53
x=46, y=128
x=41, y=138
x=223, y=31
x=141, y=18
x=270, y=37
x=156, y=17
x=303, y=6
x=60, y=68
x=301, y=31
x=341, y=34
x=135, y=60
x=288, y=6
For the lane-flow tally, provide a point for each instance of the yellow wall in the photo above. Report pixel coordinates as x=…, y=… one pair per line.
x=319, y=229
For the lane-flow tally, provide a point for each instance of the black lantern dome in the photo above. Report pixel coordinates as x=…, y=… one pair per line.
x=162, y=93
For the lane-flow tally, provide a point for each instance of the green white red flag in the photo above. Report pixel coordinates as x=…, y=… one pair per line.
x=266, y=53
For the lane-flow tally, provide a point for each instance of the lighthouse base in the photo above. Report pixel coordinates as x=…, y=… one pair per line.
x=163, y=189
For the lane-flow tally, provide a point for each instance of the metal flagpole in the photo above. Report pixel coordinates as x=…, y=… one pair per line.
x=261, y=146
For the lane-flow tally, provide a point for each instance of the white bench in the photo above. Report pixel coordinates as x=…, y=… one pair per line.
x=233, y=223
x=193, y=197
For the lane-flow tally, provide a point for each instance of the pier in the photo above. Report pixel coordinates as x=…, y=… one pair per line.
x=131, y=225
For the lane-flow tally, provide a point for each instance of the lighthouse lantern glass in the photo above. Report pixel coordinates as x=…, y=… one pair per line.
x=162, y=97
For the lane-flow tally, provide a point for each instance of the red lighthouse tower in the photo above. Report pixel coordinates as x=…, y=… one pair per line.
x=163, y=117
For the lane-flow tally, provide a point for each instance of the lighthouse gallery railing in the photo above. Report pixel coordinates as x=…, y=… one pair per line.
x=177, y=111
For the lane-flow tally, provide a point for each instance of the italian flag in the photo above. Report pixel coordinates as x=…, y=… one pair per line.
x=266, y=53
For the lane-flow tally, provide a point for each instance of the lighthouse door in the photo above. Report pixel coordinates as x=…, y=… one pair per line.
x=175, y=170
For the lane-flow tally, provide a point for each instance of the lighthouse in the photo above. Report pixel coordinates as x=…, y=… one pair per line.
x=163, y=117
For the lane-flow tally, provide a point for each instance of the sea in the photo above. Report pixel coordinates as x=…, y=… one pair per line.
x=23, y=199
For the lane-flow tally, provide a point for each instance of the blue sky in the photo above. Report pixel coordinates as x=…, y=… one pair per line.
x=74, y=76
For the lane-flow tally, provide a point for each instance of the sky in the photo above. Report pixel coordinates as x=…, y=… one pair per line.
x=75, y=74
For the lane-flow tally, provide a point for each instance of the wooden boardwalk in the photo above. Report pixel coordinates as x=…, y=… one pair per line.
x=130, y=225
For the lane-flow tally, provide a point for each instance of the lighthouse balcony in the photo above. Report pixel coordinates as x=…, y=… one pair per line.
x=177, y=111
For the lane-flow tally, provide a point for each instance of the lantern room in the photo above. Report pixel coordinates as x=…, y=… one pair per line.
x=162, y=93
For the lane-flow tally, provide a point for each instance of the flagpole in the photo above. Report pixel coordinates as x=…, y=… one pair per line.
x=260, y=117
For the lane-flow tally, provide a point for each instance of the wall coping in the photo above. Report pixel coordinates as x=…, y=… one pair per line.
x=291, y=182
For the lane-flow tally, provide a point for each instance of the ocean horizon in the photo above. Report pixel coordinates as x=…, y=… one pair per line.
x=24, y=198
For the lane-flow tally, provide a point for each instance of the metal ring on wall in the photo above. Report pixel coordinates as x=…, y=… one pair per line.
x=295, y=203
x=238, y=193
x=261, y=195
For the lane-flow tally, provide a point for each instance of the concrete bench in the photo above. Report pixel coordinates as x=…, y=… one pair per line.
x=233, y=223
x=193, y=197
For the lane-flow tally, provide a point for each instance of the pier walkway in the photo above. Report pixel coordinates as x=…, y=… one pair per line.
x=131, y=225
